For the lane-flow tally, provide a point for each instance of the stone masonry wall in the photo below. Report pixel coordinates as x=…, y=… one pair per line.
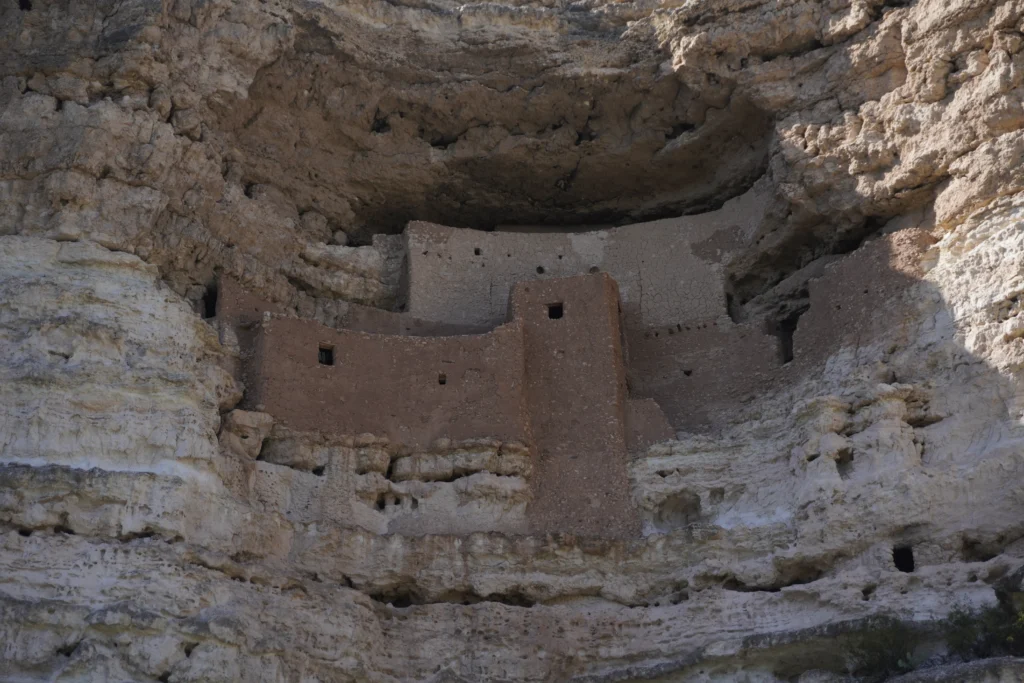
x=669, y=271
x=414, y=390
x=554, y=377
x=699, y=373
x=576, y=390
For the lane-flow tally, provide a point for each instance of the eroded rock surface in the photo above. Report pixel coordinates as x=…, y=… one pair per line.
x=152, y=530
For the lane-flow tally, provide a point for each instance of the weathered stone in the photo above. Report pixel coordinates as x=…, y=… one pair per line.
x=243, y=432
x=853, y=387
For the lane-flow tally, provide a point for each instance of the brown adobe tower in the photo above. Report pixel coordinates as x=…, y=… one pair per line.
x=576, y=394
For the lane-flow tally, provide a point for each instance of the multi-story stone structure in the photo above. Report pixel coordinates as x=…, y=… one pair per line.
x=552, y=377
x=571, y=373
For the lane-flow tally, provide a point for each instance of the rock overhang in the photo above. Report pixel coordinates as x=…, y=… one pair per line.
x=527, y=126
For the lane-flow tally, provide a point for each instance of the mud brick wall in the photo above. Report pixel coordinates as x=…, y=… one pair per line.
x=668, y=271
x=412, y=389
x=576, y=390
x=697, y=372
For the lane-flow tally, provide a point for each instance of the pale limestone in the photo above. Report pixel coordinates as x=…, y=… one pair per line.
x=149, y=147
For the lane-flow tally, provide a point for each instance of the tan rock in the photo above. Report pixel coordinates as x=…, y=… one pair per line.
x=243, y=432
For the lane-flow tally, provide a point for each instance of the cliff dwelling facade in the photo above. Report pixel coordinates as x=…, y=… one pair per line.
x=576, y=375
x=554, y=370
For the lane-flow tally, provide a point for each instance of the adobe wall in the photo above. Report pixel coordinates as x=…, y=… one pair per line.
x=241, y=312
x=576, y=392
x=238, y=307
x=668, y=271
x=646, y=424
x=557, y=384
x=699, y=373
x=390, y=385
x=859, y=297
x=369, y=319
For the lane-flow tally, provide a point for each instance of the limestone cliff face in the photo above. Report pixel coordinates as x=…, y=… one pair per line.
x=151, y=530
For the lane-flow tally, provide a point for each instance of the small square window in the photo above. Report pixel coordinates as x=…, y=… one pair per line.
x=442, y=379
x=555, y=311
x=326, y=354
x=477, y=251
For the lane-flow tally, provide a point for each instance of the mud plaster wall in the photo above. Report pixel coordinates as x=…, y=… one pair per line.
x=700, y=371
x=571, y=405
x=239, y=314
x=414, y=390
x=241, y=310
x=668, y=271
x=859, y=297
x=576, y=391
x=646, y=424
x=369, y=319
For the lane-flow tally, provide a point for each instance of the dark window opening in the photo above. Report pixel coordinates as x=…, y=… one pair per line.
x=319, y=471
x=24, y=5
x=594, y=269
x=326, y=355
x=844, y=463
x=442, y=378
x=733, y=308
x=903, y=558
x=555, y=311
x=784, y=330
x=400, y=602
x=679, y=129
x=476, y=251
x=380, y=123
x=540, y=270
x=210, y=302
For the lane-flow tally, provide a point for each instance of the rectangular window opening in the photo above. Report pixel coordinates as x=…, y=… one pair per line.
x=555, y=311
x=326, y=354
x=442, y=378
x=210, y=302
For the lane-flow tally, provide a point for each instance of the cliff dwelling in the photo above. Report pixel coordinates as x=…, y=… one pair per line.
x=516, y=341
x=619, y=338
